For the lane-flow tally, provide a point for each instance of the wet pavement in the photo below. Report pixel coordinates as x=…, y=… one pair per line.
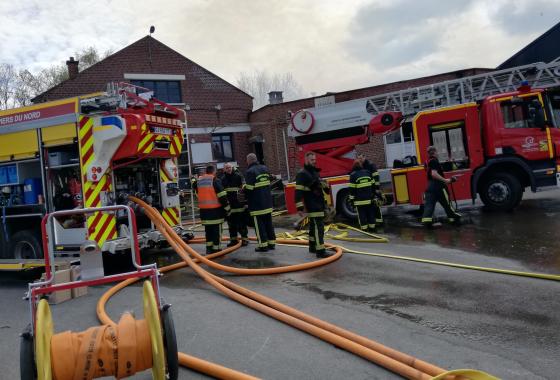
x=527, y=234
x=454, y=318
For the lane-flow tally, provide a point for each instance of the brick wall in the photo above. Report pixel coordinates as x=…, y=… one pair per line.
x=241, y=148
x=270, y=120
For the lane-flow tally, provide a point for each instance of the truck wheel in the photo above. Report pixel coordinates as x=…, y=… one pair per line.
x=345, y=207
x=25, y=245
x=501, y=192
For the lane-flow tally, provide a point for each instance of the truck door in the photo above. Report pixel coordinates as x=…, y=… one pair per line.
x=455, y=132
x=521, y=132
x=450, y=140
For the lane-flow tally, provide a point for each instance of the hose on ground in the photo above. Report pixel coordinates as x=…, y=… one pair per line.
x=325, y=334
x=542, y=276
x=184, y=250
x=393, y=360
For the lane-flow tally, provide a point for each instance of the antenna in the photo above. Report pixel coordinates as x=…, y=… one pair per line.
x=152, y=29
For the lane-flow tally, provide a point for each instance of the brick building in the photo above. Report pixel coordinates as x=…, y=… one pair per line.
x=217, y=111
x=269, y=124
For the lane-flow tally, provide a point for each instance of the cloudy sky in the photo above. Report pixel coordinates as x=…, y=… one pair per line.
x=327, y=45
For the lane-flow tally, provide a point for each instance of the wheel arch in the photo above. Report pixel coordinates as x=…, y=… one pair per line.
x=513, y=165
x=11, y=226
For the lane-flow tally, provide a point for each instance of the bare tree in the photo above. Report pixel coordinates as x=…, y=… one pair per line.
x=17, y=88
x=7, y=79
x=259, y=83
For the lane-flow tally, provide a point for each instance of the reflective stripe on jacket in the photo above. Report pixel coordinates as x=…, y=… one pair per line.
x=233, y=184
x=362, y=187
x=309, y=191
x=257, y=188
x=207, y=197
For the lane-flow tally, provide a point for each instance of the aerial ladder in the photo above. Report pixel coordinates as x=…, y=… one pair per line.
x=332, y=131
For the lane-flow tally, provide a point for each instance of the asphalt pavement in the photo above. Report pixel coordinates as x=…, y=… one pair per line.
x=454, y=318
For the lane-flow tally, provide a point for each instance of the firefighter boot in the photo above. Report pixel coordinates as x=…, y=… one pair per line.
x=233, y=242
x=322, y=253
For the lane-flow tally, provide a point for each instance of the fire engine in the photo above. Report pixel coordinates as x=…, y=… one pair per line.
x=88, y=151
x=497, y=133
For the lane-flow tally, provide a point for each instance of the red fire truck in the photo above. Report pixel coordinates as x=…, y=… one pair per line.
x=498, y=133
x=87, y=151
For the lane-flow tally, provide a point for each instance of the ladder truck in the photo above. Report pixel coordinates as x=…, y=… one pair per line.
x=89, y=151
x=497, y=132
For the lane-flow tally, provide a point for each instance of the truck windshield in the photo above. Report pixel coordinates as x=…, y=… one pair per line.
x=516, y=113
x=555, y=108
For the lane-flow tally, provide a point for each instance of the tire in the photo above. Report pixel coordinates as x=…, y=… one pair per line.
x=501, y=192
x=26, y=356
x=345, y=207
x=25, y=245
x=170, y=343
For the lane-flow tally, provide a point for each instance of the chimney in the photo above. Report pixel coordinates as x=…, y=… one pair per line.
x=275, y=97
x=72, y=68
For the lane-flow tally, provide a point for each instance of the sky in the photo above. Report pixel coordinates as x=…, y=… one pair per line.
x=327, y=45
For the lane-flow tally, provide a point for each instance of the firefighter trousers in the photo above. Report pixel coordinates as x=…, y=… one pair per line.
x=316, y=234
x=237, y=224
x=213, y=233
x=431, y=198
x=264, y=230
x=367, y=216
x=376, y=203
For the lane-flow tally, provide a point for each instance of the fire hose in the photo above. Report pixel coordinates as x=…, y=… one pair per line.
x=400, y=363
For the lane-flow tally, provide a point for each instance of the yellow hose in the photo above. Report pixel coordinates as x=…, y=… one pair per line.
x=543, y=276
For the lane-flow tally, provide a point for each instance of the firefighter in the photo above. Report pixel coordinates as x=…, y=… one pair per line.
x=259, y=200
x=362, y=190
x=377, y=195
x=311, y=201
x=194, y=178
x=437, y=190
x=232, y=181
x=214, y=206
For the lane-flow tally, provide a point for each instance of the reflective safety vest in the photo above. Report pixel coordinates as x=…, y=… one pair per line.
x=207, y=197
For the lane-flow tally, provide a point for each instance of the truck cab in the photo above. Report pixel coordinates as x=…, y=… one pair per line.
x=495, y=148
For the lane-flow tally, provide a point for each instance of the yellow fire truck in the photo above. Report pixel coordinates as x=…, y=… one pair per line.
x=87, y=151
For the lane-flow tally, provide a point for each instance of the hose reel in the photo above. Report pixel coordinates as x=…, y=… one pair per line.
x=119, y=350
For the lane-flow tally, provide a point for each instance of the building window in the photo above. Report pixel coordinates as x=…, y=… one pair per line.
x=168, y=91
x=222, y=147
x=395, y=137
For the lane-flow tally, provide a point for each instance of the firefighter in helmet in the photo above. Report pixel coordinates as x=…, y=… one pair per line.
x=310, y=200
x=377, y=197
x=437, y=190
x=232, y=181
x=259, y=200
x=362, y=190
x=214, y=207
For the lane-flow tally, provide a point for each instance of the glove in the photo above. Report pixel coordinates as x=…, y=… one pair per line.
x=325, y=187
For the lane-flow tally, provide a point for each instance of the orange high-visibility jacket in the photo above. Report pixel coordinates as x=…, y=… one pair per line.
x=207, y=197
